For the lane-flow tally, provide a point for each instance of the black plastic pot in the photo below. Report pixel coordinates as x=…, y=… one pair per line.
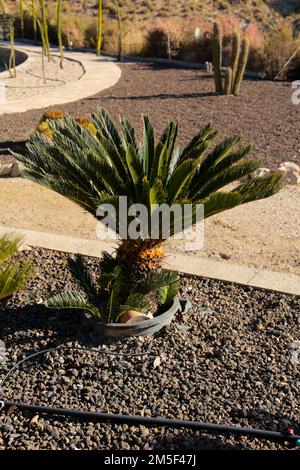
x=142, y=328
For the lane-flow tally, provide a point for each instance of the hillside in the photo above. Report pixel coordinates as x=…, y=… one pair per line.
x=264, y=11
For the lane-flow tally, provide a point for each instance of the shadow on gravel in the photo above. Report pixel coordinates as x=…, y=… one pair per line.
x=31, y=318
x=262, y=418
x=52, y=328
x=160, y=96
x=190, y=444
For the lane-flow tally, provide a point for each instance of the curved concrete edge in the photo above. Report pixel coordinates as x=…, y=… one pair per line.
x=100, y=74
x=219, y=270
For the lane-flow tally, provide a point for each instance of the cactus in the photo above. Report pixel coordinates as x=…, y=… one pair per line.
x=228, y=81
x=46, y=45
x=217, y=57
x=120, y=30
x=99, y=38
x=42, y=33
x=22, y=18
x=243, y=59
x=34, y=18
x=236, y=50
x=60, y=42
x=4, y=18
x=12, y=58
x=234, y=74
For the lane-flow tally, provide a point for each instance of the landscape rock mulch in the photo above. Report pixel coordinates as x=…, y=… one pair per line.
x=229, y=360
x=263, y=113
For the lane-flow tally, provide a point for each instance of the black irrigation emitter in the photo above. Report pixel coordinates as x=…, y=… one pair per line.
x=287, y=436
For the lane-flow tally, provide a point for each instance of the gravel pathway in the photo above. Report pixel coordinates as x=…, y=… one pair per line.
x=233, y=365
x=263, y=113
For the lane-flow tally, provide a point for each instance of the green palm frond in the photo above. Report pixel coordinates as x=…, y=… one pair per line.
x=168, y=293
x=9, y=245
x=135, y=301
x=199, y=144
x=155, y=281
x=92, y=171
x=219, y=202
x=13, y=276
x=83, y=277
x=69, y=300
x=260, y=188
x=129, y=136
x=148, y=148
x=225, y=177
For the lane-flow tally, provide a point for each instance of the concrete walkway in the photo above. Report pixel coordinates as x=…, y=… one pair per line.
x=221, y=270
x=99, y=74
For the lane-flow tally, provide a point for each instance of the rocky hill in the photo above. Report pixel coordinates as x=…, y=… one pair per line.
x=264, y=11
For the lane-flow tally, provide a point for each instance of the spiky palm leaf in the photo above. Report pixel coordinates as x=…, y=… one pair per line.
x=13, y=277
x=92, y=171
x=69, y=300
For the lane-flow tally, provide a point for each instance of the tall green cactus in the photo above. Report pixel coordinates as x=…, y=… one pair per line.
x=12, y=58
x=99, y=29
x=243, y=59
x=217, y=57
x=4, y=18
x=120, y=30
x=236, y=50
x=228, y=81
x=44, y=43
x=45, y=29
x=234, y=73
x=22, y=18
x=34, y=18
x=60, y=41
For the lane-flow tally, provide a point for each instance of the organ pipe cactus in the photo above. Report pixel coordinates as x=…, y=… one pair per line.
x=59, y=37
x=241, y=66
x=34, y=18
x=46, y=44
x=228, y=81
x=22, y=17
x=4, y=18
x=236, y=50
x=217, y=57
x=235, y=72
x=99, y=31
x=12, y=58
x=120, y=30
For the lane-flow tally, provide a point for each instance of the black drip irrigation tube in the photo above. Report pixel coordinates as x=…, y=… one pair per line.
x=132, y=420
x=289, y=437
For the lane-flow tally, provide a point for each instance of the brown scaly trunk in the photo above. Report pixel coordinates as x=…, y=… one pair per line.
x=140, y=257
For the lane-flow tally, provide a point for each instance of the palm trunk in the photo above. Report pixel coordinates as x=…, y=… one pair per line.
x=140, y=257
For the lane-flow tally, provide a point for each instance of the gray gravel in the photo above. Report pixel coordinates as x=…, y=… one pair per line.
x=233, y=366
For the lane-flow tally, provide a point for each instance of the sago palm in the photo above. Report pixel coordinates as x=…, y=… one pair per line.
x=93, y=170
x=13, y=276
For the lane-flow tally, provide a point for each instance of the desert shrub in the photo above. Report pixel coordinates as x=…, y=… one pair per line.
x=278, y=47
x=156, y=42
